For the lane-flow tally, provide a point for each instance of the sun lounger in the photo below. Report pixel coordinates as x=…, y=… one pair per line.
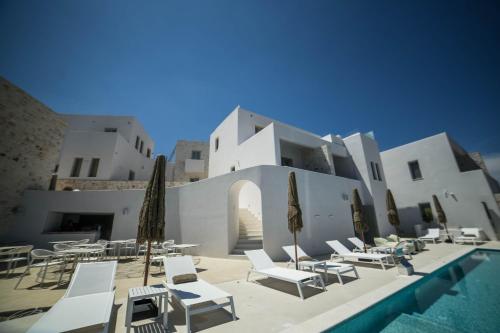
x=469, y=235
x=340, y=251
x=432, y=235
x=88, y=301
x=306, y=262
x=358, y=243
x=262, y=264
x=191, y=294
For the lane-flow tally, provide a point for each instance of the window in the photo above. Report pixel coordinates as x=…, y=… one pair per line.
x=426, y=212
x=258, y=129
x=216, y=144
x=487, y=210
x=77, y=166
x=137, y=140
x=142, y=147
x=196, y=155
x=148, y=153
x=233, y=168
x=94, y=164
x=131, y=175
x=285, y=161
x=373, y=170
x=378, y=172
x=111, y=129
x=195, y=179
x=415, y=170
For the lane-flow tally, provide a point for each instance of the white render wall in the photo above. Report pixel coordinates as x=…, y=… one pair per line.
x=364, y=150
x=85, y=138
x=440, y=175
x=191, y=218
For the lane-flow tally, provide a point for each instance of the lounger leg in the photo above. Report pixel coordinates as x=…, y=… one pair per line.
x=128, y=316
x=382, y=263
x=356, y=273
x=44, y=274
x=232, y=307
x=248, y=275
x=22, y=276
x=339, y=277
x=63, y=267
x=300, y=290
x=321, y=282
x=165, y=312
x=188, y=324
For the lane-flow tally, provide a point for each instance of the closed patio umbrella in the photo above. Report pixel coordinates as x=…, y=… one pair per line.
x=294, y=212
x=358, y=216
x=392, y=212
x=441, y=216
x=152, y=217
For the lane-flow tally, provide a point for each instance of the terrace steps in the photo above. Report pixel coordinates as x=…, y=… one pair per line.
x=250, y=232
x=416, y=323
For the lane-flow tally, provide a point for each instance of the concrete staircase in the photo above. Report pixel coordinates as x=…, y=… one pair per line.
x=250, y=232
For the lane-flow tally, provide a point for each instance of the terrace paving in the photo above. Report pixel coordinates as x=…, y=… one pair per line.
x=269, y=305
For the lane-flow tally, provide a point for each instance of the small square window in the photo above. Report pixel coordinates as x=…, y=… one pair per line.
x=195, y=179
x=77, y=166
x=378, y=172
x=233, y=168
x=196, y=155
x=131, y=175
x=137, y=141
x=374, y=174
x=94, y=165
x=415, y=172
x=148, y=153
x=141, y=147
x=111, y=129
x=426, y=212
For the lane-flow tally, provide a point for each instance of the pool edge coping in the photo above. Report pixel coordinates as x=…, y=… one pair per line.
x=338, y=314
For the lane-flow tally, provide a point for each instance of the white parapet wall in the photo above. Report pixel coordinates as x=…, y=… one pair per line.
x=201, y=212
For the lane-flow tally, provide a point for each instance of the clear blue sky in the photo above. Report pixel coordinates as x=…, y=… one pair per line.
x=405, y=69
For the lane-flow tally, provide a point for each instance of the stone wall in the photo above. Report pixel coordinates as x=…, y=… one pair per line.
x=31, y=135
x=183, y=151
x=88, y=185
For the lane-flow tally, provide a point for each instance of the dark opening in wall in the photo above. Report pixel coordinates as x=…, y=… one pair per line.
x=68, y=222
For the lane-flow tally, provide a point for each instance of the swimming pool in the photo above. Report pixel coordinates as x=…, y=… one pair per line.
x=461, y=297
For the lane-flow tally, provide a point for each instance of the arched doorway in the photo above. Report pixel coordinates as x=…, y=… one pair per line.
x=245, y=217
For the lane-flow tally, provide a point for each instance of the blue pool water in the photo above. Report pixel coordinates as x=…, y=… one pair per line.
x=461, y=297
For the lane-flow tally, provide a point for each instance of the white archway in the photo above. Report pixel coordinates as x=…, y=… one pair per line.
x=245, y=216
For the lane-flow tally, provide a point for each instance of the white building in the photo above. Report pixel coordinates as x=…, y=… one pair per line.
x=105, y=148
x=438, y=165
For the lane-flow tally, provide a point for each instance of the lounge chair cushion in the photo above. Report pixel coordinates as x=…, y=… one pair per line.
x=184, y=278
x=305, y=258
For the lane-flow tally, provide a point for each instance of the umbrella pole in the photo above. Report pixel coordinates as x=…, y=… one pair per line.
x=295, y=242
x=146, y=270
x=363, y=238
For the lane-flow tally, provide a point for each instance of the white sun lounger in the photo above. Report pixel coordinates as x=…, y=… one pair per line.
x=194, y=293
x=432, y=235
x=340, y=251
x=88, y=301
x=469, y=235
x=262, y=264
x=335, y=267
x=358, y=243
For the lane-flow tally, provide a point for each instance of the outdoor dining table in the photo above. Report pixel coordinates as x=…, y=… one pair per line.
x=118, y=244
x=79, y=255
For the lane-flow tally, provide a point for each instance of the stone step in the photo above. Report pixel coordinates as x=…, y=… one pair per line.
x=250, y=237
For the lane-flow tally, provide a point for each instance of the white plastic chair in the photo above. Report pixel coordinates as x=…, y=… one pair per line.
x=45, y=260
x=15, y=255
